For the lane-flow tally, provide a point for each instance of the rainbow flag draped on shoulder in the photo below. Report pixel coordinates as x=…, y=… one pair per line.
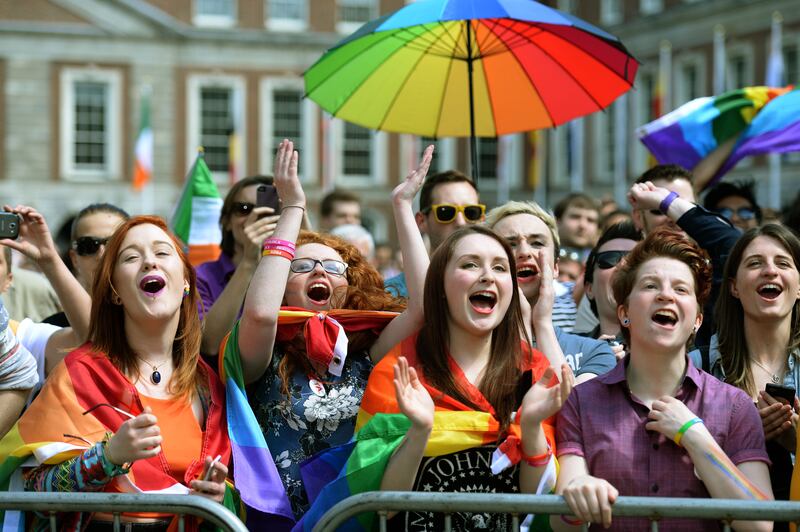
x=255, y=473
x=357, y=467
x=762, y=119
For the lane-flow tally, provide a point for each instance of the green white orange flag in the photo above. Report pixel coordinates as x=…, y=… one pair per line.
x=143, y=166
x=196, y=217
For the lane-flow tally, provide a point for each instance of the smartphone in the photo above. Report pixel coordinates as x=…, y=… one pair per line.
x=9, y=225
x=784, y=394
x=267, y=196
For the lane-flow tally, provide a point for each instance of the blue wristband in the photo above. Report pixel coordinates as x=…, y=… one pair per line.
x=666, y=202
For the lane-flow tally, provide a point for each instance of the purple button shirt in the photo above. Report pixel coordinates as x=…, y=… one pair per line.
x=212, y=278
x=605, y=423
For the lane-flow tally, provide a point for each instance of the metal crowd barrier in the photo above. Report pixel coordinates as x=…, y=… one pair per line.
x=654, y=508
x=115, y=503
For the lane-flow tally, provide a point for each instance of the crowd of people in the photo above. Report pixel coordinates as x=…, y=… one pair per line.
x=594, y=352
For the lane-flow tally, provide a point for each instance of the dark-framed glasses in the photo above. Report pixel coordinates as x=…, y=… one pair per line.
x=608, y=259
x=331, y=266
x=242, y=208
x=744, y=213
x=86, y=246
x=445, y=213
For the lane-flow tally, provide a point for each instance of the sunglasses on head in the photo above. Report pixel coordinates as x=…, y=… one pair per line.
x=331, y=266
x=445, y=213
x=242, y=208
x=608, y=259
x=744, y=213
x=88, y=245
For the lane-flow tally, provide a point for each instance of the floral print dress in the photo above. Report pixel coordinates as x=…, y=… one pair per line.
x=318, y=415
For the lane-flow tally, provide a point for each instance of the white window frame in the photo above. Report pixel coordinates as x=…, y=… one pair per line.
x=702, y=71
x=378, y=159
x=113, y=145
x=745, y=51
x=651, y=7
x=194, y=83
x=611, y=12
x=602, y=173
x=346, y=27
x=214, y=21
x=286, y=24
x=309, y=165
x=516, y=169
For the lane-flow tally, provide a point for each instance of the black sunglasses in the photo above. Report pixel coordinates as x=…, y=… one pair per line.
x=242, y=208
x=744, y=213
x=86, y=246
x=608, y=259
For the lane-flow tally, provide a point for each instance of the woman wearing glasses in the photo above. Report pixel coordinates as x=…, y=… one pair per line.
x=305, y=404
x=222, y=283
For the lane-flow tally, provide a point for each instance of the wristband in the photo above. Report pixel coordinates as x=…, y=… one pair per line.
x=277, y=246
x=571, y=522
x=539, y=460
x=285, y=254
x=278, y=242
x=295, y=206
x=686, y=426
x=666, y=202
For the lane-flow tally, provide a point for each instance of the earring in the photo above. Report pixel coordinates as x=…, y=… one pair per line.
x=625, y=322
x=186, y=290
x=115, y=296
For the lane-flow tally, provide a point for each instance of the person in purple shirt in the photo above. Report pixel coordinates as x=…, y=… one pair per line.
x=223, y=283
x=655, y=425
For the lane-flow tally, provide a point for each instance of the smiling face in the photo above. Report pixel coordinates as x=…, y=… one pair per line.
x=662, y=306
x=767, y=281
x=317, y=289
x=149, y=275
x=477, y=285
x=527, y=235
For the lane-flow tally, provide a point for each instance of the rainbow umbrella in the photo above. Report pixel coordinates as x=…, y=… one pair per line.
x=456, y=68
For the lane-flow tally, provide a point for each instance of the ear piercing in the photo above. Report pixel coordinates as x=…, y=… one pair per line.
x=625, y=322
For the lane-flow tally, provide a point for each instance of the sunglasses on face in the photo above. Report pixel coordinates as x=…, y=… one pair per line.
x=744, y=213
x=608, y=259
x=242, y=208
x=445, y=213
x=86, y=246
x=331, y=266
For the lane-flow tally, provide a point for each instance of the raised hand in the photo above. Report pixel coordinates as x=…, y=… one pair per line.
x=214, y=487
x=412, y=397
x=34, y=240
x=405, y=191
x=542, y=311
x=543, y=399
x=137, y=439
x=286, y=181
x=646, y=196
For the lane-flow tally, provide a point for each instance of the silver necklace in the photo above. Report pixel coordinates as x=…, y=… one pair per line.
x=776, y=379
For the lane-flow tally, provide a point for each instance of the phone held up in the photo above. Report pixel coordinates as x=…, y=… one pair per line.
x=784, y=394
x=267, y=196
x=9, y=225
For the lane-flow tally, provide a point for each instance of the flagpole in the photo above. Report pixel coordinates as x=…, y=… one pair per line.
x=719, y=59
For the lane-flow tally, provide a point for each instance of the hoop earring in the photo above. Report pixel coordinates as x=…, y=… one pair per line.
x=625, y=322
x=115, y=299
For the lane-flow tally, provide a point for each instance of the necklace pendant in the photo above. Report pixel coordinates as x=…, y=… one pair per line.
x=775, y=379
x=155, y=377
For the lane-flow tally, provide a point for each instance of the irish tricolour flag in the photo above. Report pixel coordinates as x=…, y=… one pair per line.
x=143, y=166
x=196, y=218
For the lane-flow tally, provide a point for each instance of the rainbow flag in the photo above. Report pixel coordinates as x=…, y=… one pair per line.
x=765, y=120
x=357, y=467
x=256, y=476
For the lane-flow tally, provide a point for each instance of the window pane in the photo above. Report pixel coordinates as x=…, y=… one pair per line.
x=90, y=125
x=287, y=9
x=737, y=72
x=790, y=65
x=689, y=79
x=356, y=10
x=357, y=149
x=216, y=8
x=487, y=158
x=216, y=125
x=287, y=117
x=435, y=167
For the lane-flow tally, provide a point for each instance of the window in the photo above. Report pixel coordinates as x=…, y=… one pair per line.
x=650, y=7
x=604, y=141
x=690, y=79
x=286, y=115
x=361, y=155
x=500, y=163
x=790, y=65
x=215, y=13
x=739, y=67
x=487, y=159
x=611, y=12
x=90, y=128
x=287, y=15
x=216, y=116
x=352, y=14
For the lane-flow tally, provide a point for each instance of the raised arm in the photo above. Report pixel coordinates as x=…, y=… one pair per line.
x=542, y=313
x=415, y=260
x=36, y=243
x=259, y=322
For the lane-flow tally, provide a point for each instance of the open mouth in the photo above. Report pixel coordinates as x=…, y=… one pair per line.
x=318, y=293
x=665, y=318
x=526, y=273
x=483, y=302
x=769, y=290
x=152, y=285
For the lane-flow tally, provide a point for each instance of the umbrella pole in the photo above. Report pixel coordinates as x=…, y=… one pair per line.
x=473, y=142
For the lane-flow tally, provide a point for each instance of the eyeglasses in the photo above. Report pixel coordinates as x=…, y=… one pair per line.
x=242, y=208
x=86, y=246
x=569, y=254
x=331, y=266
x=445, y=213
x=744, y=213
x=608, y=259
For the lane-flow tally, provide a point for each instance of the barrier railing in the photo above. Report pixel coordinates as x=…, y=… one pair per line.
x=115, y=503
x=654, y=508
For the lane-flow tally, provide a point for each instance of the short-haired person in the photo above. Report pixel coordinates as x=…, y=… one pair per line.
x=673, y=178
x=736, y=202
x=655, y=425
x=358, y=236
x=603, y=262
x=577, y=217
x=531, y=233
x=448, y=200
x=339, y=207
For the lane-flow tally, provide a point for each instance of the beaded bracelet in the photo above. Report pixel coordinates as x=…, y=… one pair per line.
x=280, y=253
x=686, y=426
x=539, y=460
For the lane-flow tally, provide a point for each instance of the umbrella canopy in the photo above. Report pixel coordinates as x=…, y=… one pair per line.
x=484, y=68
